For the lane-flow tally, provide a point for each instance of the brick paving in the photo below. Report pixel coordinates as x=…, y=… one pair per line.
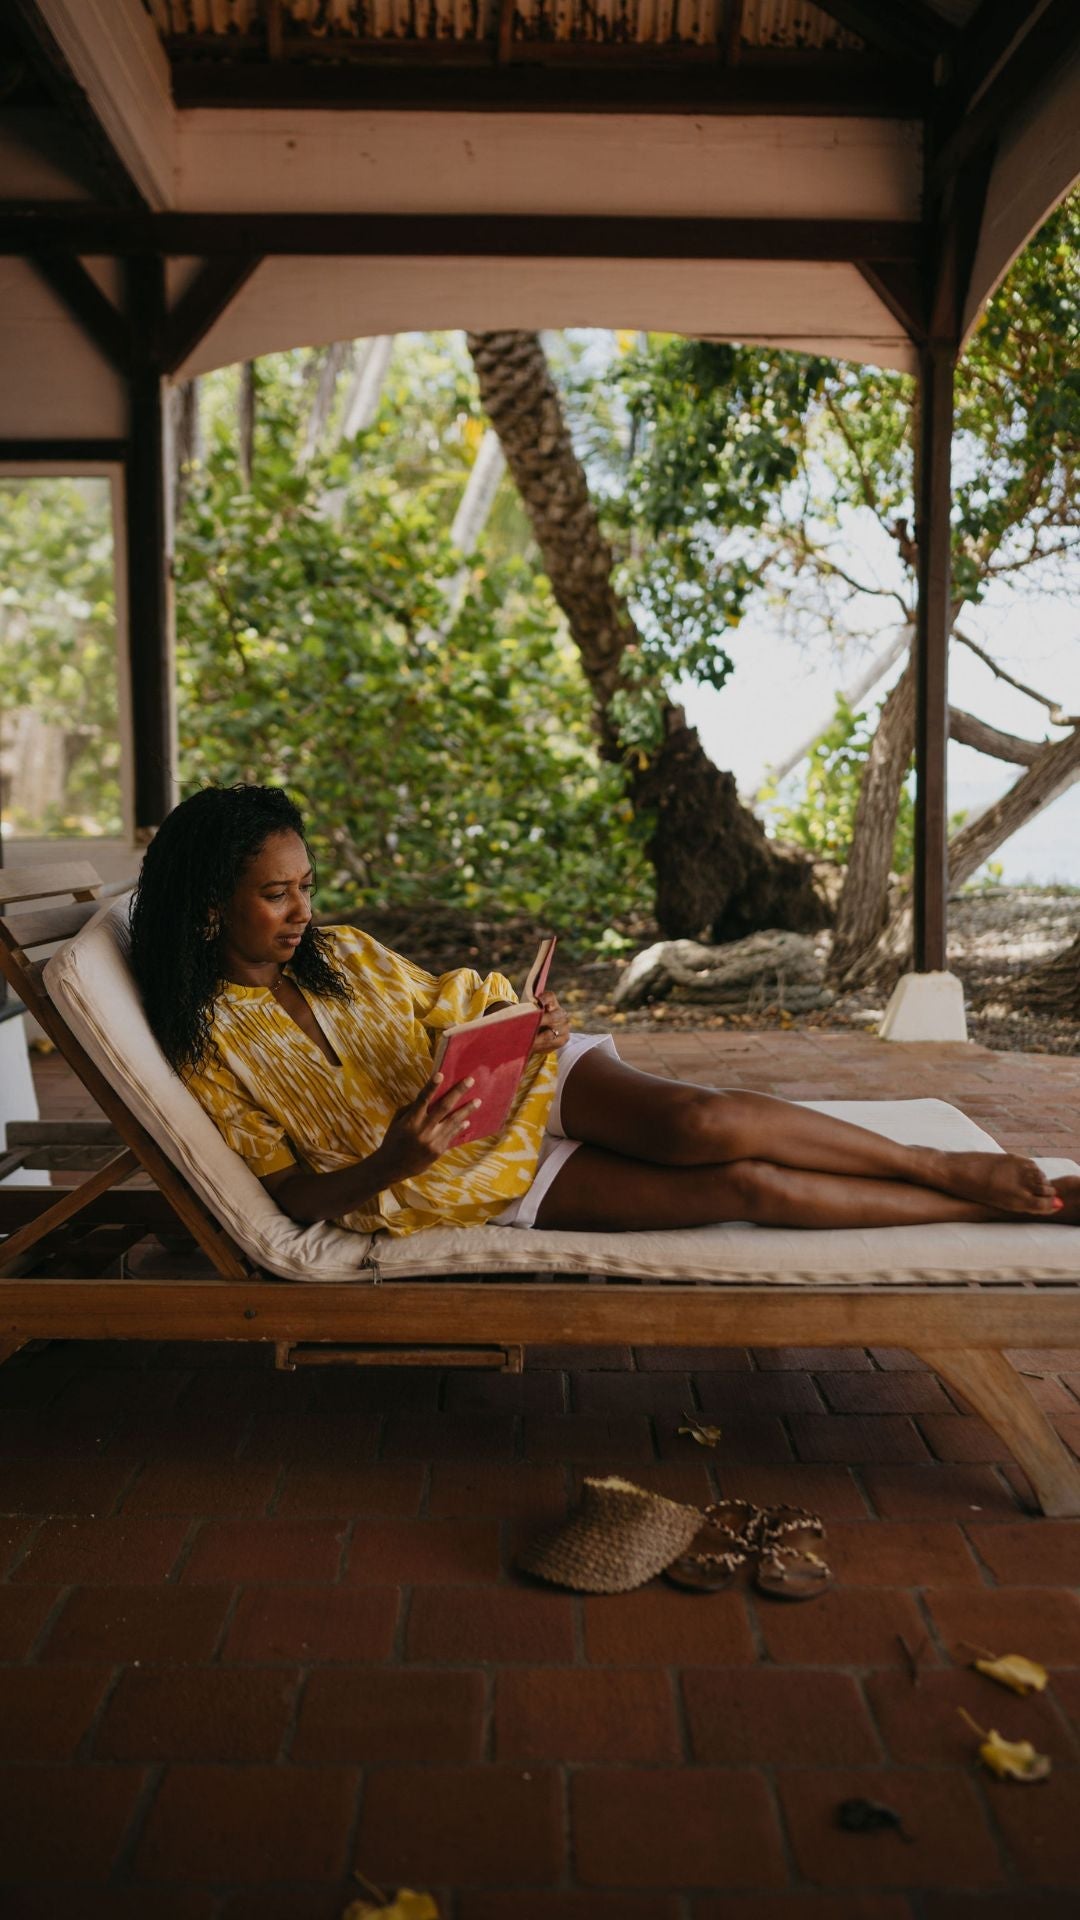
x=260, y=1630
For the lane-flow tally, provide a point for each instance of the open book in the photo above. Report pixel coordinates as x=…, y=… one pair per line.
x=493, y=1050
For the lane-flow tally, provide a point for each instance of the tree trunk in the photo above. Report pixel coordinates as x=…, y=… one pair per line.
x=1051, y=773
x=246, y=420
x=716, y=872
x=187, y=438
x=1053, y=770
x=863, y=906
x=335, y=359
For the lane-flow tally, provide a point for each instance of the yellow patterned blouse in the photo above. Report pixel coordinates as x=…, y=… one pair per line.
x=277, y=1099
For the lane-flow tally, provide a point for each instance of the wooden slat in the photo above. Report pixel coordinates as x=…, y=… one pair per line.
x=46, y=879
x=507, y=1313
x=120, y=1167
x=67, y=1159
x=141, y=1206
x=49, y=924
x=497, y=1359
x=62, y=1133
x=219, y=1245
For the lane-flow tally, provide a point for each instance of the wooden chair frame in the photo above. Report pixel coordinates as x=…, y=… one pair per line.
x=59, y=1278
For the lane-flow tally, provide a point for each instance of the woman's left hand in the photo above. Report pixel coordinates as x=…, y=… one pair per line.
x=554, y=1031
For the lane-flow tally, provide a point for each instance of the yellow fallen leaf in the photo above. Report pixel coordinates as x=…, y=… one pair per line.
x=1009, y=1759
x=705, y=1436
x=1012, y=1670
x=405, y=1905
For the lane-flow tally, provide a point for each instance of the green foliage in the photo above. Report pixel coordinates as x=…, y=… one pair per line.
x=747, y=472
x=455, y=766
x=58, y=643
x=823, y=818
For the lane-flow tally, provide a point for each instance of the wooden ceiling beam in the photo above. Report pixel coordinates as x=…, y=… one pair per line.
x=76, y=229
x=450, y=77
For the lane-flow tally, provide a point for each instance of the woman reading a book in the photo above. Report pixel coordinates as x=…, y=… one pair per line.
x=312, y=1051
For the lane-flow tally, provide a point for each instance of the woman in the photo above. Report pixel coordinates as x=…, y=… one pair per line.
x=312, y=1050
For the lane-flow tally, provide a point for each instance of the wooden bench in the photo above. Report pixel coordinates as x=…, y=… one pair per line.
x=110, y=1260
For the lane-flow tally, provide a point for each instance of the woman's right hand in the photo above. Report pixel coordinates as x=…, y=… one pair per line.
x=426, y=1128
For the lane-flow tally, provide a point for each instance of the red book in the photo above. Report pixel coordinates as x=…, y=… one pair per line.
x=492, y=1051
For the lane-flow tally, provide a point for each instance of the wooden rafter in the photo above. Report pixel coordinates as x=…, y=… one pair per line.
x=519, y=236
x=1048, y=44
x=983, y=43
x=275, y=30
x=79, y=292
x=49, y=62
x=732, y=35
x=901, y=288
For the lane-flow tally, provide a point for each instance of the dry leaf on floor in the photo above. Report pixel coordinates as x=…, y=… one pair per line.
x=870, y=1816
x=705, y=1436
x=1008, y=1759
x=405, y=1905
x=1012, y=1670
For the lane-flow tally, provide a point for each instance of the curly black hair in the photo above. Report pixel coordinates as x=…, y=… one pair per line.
x=190, y=872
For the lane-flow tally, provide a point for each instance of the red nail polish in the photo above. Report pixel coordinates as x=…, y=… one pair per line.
x=1059, y=1202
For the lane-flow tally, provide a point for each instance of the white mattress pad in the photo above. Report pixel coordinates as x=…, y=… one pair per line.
x=91, y=984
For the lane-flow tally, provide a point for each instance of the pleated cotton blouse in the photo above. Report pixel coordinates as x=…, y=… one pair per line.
x=279, y=1102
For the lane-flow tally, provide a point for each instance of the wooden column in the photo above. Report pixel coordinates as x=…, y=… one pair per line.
x=149, y=608
x=937, y=362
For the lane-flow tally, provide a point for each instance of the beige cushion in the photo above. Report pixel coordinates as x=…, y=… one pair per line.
x=91, y=984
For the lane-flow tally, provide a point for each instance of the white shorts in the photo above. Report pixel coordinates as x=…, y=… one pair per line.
x=555, y=1148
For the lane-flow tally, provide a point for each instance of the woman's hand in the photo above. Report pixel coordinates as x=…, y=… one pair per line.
x=423, y=1130
x=554, y=1031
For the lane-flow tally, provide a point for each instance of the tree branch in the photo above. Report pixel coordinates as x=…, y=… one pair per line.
x=972, y=732
x=1058, y=718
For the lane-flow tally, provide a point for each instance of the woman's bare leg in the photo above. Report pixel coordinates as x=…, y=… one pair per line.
x=675, y=1124
x=596, y=1191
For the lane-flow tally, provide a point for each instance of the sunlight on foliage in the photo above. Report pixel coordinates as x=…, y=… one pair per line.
x=454, y=766
x=58, y=644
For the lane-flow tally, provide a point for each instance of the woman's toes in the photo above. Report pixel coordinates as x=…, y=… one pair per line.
x=1067, y=1200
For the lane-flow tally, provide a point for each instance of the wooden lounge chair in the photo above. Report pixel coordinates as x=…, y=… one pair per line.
x=198, y=1250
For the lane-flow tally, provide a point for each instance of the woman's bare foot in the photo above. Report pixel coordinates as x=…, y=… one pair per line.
x=1001, y=1180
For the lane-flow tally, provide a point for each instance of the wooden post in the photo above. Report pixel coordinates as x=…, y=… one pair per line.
x=937, y=362
x=149, y=610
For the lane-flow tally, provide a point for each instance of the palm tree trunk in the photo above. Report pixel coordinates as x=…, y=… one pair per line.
x=716, y=873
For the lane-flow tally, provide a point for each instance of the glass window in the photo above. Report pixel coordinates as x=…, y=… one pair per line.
x=59, y=725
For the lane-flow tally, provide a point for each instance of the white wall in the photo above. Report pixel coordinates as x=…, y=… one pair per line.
x=53, y=383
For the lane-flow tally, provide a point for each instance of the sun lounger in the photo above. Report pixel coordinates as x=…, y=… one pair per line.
x=955, y=1295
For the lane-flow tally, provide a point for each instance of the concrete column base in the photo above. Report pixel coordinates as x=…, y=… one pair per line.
x=18, y=1100
x=925, y=1006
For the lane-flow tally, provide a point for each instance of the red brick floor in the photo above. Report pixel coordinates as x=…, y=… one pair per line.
x=258, y=1630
